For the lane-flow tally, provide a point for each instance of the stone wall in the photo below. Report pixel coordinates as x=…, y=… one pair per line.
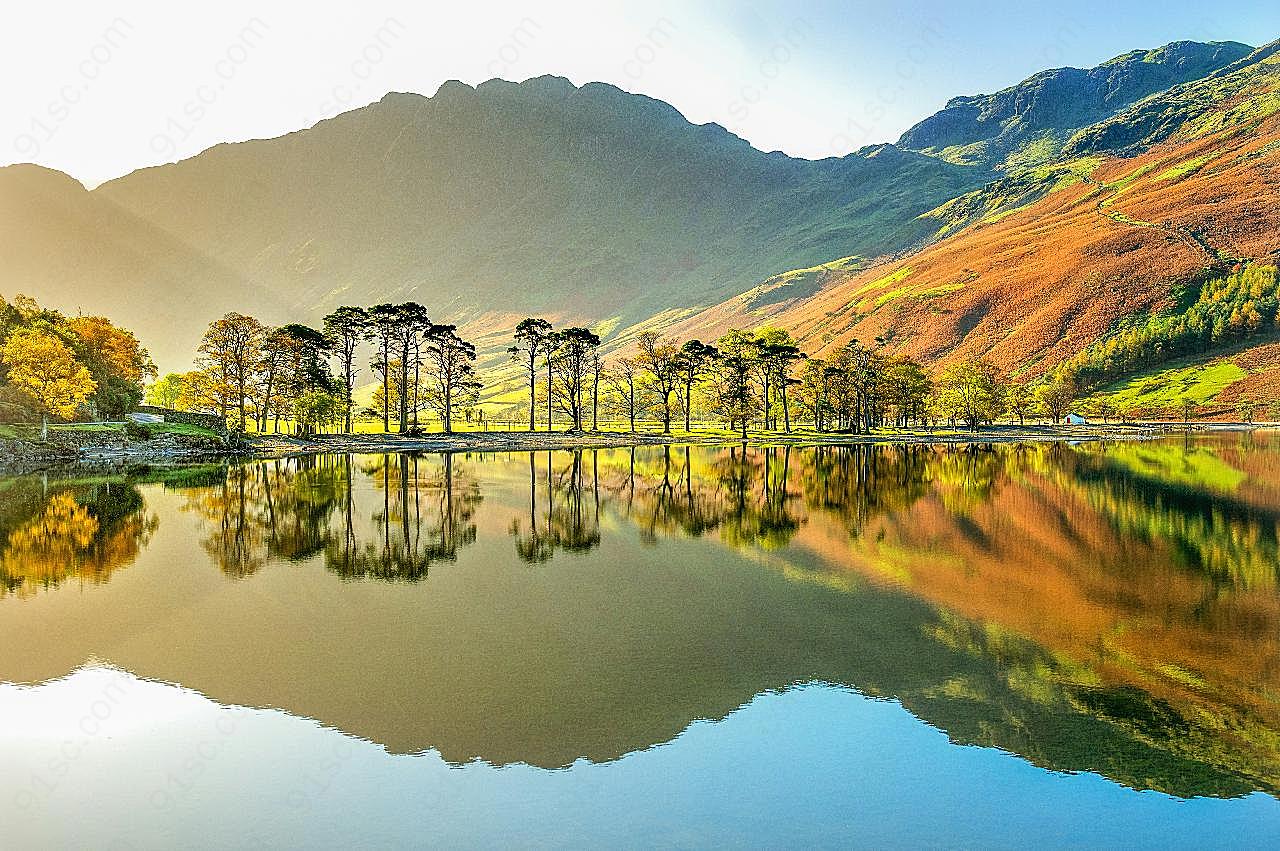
x=209, y=421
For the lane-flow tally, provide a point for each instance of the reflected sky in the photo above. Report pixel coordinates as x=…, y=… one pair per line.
x=709, y=644
x=790, y=769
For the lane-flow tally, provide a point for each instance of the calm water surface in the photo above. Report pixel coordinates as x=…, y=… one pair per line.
x=980, y=646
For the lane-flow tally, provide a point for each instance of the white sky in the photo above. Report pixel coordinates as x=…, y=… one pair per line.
x=100, y=88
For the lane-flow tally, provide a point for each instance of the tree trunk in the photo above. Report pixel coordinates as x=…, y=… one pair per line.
x=404, y=386
x=595, y=402
x=417, y=383
x=448, y=407
x=688, y=401
x=533, y=395
x=349, y=375
x=386, y=386
x=549, y=393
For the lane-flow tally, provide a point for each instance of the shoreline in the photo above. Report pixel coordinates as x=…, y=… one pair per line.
x=26, y=456
x=524, y=441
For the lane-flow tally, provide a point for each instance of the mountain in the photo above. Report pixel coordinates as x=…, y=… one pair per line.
x=75, y=249
x=1024, y=226
x=583, y=203
x=1128, y=222
x=1028, y=124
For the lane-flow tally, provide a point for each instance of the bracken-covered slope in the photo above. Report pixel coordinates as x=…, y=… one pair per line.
x=1116, y=238
x=582, y=203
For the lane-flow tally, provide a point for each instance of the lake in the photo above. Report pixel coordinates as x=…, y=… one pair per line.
x=681, y=646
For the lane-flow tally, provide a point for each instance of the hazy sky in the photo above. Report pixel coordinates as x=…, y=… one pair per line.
x=100, y=88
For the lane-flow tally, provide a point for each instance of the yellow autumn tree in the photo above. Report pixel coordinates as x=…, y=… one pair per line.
x=117, y=348
x=44, y=368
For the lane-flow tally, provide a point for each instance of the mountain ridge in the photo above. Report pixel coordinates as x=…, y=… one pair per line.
x=524, y=195
x=584, y=203
x=1047, y=107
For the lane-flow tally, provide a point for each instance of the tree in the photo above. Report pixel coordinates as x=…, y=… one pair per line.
x=906, y=387
x=411, y=325
x=549, y=349
x=420, y=397
x=196, y=392
x=1018, y=401
x=622, y=378
x=1189, y=408
x=972, y=391
x=571, y=363
x=229, y=354
x=384, y=322
x=345, y=328
x=304, y=368
x=597, y=372
x=534, y=338
x=44, y=368
x=1057, y=397
x=856, y=387
x=119, y=364
x=743, y=349
x=696, y=360
x=812, y=391
x=314, y=410
x=1247, y=410
x=777, y=352
x=735, y=390
x=453, y=376
x=865, y=368
x=661, y=358
x=1104, y=409
x=166, y=392
x=275, y=349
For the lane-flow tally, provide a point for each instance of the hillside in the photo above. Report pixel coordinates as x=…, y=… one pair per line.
x=506, y=198
x=1120, y=233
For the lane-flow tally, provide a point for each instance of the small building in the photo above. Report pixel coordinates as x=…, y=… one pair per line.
x=1076, y=419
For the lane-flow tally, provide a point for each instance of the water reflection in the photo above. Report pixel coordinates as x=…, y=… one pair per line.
x=54, y=532
x=294, y=510
x=1112, y=608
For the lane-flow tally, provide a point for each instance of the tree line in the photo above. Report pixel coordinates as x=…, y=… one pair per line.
x=251, y=373
x=760, y=379
x=1224, y=310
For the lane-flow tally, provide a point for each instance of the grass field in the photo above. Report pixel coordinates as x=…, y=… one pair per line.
x=1164, y=388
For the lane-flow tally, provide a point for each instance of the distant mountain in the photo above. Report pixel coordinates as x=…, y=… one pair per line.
x=1028, y=124
x=585, y=203
x=77, y=250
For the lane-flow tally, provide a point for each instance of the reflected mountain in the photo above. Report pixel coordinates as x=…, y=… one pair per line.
x=1108, y=608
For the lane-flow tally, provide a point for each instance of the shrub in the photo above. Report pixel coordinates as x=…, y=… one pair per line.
x=137, y=431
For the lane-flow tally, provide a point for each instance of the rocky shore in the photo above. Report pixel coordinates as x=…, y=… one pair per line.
x=114, y=448
x=111, y=448
x=517, y=441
